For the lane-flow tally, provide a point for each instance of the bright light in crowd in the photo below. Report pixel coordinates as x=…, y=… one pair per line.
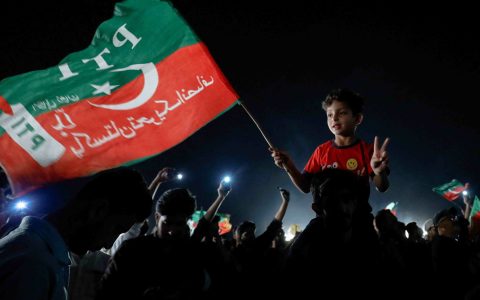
x=292, y=230
x=465, y=193
x=289, y=236
x=425, y=233
x=21, y=205
x=179, y=176
x=227, y=179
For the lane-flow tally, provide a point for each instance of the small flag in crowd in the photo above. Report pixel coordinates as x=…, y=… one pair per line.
x=392, y=206
x=475, y=213
x=144, y=85
x=450, y=190
x=224, y=225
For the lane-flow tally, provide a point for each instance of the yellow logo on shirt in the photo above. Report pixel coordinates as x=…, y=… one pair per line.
x=352, y=164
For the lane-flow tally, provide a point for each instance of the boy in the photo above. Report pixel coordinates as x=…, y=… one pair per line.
x=347, y=151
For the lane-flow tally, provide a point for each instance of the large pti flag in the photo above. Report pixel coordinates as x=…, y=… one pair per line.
x=450, y=190
x=145, y=84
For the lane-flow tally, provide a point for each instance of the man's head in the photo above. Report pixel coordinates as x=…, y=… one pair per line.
x=335, y=196
x=446, y=222
x=344, y=110
x=415, y=233
x=106, y=206
x=245, y=232
x=430, y=229
x=173, y=210
x=386, y=224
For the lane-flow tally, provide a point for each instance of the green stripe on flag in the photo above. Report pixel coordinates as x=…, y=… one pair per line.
x=450, y=190
x=475, y=209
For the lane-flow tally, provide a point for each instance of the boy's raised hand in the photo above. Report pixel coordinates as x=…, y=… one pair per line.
x=379, y=161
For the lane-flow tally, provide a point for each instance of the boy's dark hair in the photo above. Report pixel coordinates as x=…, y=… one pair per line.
x=328, y=181
x=175, y=202
x=354, y=101
x=124, y=189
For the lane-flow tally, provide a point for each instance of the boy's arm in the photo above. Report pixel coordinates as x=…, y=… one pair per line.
x=379, y=164
x=282, y=160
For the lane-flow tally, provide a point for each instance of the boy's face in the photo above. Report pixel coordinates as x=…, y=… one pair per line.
x=341, y=120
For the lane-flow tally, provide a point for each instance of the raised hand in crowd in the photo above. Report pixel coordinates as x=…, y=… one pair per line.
x=379, y=164
x=165, y=174
x=285, y=194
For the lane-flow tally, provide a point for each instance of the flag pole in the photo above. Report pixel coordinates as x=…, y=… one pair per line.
x=256, y=123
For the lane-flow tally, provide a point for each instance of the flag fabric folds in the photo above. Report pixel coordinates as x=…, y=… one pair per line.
x=145, y=84
x=224, y=225
x=392, y=206
x=450, y=190
x=475, y=213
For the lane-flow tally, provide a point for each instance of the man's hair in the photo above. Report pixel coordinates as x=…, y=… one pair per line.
x=328, y=181
x=353, y=100
x=124, y=190
x=175, y=202
x=244, y=226
x=452, y=212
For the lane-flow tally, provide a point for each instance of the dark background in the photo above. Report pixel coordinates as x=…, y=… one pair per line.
x=417, y=66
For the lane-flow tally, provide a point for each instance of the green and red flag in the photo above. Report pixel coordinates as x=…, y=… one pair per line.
x=475, y=213
x=392, y=206
x=145, y=84
x=224, y=225
x=450, y=190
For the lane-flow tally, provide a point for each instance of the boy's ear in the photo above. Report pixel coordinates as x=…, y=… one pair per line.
x=359, y=118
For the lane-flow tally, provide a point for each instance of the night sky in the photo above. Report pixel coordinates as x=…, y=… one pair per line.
x=417, y=66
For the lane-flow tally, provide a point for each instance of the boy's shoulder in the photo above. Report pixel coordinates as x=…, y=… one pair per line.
x=326, y=144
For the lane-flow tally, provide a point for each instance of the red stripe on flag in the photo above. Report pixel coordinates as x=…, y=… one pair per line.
x=191, y=92
x=5, y=107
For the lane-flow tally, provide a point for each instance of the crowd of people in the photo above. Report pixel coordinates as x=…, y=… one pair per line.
x=113, y=241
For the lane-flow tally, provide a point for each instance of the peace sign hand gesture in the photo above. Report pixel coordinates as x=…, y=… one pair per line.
x=379, y=161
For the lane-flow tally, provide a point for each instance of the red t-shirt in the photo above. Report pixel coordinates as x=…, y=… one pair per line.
x=355, y=157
